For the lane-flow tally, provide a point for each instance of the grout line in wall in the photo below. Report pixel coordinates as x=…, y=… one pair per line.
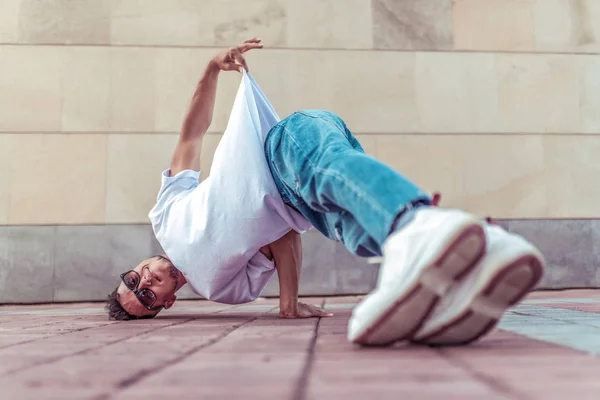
x=574, y=134
x=56, y=226
x=54, y=263
x=80, y=224
x=154, y=46
x=107, y=139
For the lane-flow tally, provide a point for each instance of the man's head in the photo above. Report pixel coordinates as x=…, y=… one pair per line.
x=145, y=290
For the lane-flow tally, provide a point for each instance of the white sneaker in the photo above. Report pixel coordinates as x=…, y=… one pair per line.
x=421, y=262
x=510, y=269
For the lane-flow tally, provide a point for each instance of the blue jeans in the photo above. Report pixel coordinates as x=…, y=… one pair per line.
x=323, y=172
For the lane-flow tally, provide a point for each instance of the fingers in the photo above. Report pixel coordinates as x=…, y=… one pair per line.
x=325, y=314
x=306, y=311
x=233, y=60
x=249, y=46
x=237, y=56
x=229, y=62
x=253, y=40
x=319, y=312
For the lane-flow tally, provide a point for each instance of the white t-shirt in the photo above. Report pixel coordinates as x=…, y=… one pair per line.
x=212, y=231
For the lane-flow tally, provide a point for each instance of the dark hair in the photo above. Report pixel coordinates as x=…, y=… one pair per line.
x=116, y=310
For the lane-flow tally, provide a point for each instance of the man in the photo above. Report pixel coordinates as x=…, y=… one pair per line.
x=446, y=276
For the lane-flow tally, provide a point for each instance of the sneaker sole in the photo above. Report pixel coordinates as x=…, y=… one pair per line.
x=407, y=311
x=509, y=285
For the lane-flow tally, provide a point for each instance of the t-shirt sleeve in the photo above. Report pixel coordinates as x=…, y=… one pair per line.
x=248, y=283
x=172, y=188
x=173, y=185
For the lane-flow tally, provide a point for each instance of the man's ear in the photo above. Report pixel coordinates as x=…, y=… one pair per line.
x=170, y=302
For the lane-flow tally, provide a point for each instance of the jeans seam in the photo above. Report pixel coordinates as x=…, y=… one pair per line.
x=275, y=173
x=355, y=188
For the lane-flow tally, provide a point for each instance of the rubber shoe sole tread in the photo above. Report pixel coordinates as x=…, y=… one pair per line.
x=407, y=310
x=508, y=284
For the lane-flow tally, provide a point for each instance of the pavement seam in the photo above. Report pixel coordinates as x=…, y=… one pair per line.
x=494, y=384
x=553, y=318
x=84, y=351
x=301, y=388
x=145, y=373
x=48, y=336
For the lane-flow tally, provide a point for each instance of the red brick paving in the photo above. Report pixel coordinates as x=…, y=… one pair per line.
x=223, y=352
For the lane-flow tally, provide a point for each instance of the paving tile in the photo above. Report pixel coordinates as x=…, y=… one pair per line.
x=528, y=370
x=26, y=263
x=341, y=369
x=25, y=356
x=96, y=372
x=235, y=358
x=7, y=340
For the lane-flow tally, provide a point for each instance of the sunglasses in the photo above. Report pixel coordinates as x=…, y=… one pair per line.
x=146, y=297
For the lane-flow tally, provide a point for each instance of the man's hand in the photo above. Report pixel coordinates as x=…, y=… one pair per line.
x=232, y=59
x=304, y=311
x=286, y=252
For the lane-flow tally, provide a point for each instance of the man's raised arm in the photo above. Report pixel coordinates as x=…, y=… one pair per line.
x=200, y=112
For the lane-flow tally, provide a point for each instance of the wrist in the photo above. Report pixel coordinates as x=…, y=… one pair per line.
x=212, y=67
x=288, y=307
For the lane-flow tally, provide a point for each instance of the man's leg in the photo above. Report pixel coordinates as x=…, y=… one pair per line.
x=346, y=194
x=349, y=196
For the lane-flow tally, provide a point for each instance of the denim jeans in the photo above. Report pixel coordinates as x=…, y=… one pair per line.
x=322, y=171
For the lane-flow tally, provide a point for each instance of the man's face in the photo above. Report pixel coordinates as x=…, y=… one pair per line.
x=156, y=274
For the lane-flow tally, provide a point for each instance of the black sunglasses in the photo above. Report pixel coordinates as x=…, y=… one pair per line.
x=146, y=297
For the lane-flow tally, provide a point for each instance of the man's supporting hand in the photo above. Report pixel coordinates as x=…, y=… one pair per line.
x=286, y=252
x=303, y=310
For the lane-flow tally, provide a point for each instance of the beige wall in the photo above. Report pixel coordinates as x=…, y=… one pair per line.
x=496, y=103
